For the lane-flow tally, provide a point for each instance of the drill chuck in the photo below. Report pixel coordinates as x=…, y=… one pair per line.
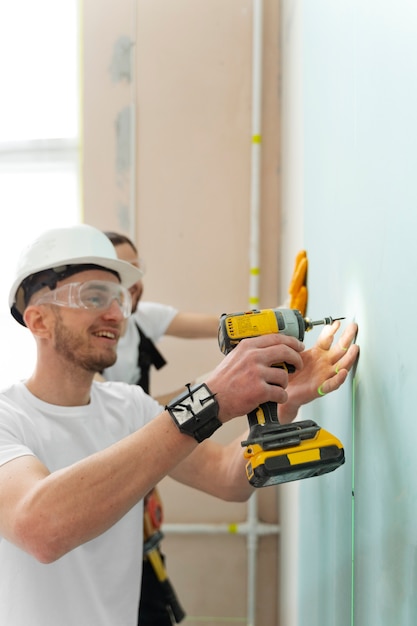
x=326, y=320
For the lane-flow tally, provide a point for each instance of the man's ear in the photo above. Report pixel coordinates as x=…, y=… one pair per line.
x=39, y=320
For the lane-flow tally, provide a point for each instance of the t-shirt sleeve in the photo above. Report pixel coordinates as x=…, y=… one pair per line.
x=12, y=440
x=154, y=318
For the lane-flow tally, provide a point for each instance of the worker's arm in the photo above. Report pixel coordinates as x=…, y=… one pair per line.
x=49, y=514
x=193, y=325
x=217, y=470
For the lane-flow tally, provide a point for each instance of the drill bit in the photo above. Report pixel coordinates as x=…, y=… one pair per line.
x=326, y=320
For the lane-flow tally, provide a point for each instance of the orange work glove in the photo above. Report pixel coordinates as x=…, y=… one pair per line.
x=298, y=286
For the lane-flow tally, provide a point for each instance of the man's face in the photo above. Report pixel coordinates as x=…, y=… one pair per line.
x=125, y=252
x=88, y=337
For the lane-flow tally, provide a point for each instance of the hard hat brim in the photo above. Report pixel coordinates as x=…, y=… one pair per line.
x=129, y=274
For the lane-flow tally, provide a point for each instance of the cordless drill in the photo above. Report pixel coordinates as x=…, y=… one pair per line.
x=279, y=453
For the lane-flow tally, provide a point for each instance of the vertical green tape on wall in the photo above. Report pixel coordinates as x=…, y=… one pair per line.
x=352, y=619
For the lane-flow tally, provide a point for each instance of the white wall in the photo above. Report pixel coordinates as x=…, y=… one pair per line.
x=358, y=103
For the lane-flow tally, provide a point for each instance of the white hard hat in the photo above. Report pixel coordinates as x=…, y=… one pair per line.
x=70, y=246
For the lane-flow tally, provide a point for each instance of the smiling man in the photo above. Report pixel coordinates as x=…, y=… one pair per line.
x=77, y=456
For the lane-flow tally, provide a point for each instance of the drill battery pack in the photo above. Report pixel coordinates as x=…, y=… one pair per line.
x=283, y=453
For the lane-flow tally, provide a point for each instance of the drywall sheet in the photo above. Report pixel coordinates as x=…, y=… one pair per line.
x=358, y=534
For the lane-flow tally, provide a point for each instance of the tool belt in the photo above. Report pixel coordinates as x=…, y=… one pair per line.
x=152, y=534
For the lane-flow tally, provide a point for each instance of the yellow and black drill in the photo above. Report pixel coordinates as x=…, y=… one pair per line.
x=279, y=453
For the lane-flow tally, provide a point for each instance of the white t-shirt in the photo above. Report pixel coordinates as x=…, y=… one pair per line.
x=153, y=319
x=98, y=583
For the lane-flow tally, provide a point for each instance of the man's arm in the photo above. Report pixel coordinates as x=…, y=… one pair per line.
x=49, y=514
x=193, y=325
x=217, y=470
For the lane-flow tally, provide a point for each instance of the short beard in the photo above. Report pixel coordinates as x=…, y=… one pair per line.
x=73, y=349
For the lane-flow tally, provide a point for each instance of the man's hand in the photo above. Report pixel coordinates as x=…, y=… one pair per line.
x=325, y=368
x=247, y=377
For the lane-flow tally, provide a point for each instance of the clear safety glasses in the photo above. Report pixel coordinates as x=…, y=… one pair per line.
x=93, y=295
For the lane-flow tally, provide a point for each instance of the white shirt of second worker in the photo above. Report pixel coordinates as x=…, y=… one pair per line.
x=153, y=319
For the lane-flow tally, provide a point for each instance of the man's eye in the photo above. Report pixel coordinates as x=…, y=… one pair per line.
x=95, y=300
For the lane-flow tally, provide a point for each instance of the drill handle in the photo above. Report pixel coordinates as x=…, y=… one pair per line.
x=265, y=413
